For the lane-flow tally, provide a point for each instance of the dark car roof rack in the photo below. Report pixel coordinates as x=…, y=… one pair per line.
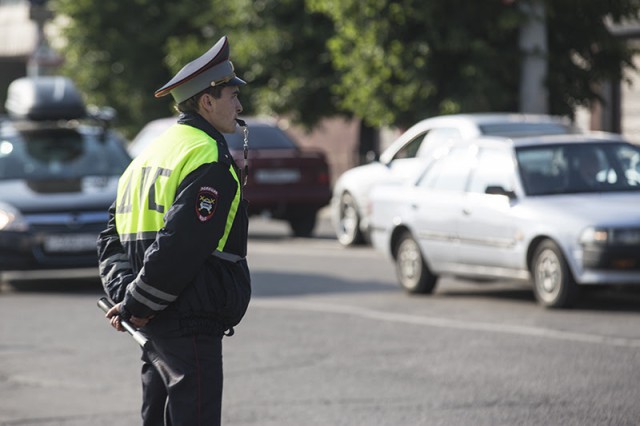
x=44, y=98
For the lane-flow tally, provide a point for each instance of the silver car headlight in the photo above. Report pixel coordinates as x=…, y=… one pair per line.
x=618, y=236
x=11, y=219
x=594, y=236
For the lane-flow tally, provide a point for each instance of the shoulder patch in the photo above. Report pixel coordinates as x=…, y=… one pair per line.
x=206, y=203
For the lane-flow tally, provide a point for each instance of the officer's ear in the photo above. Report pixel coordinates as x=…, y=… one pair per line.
x=206, y=102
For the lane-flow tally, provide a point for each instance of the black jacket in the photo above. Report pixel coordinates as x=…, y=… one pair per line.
x=171, y=274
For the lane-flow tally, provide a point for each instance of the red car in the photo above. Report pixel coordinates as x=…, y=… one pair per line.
x=285, y=182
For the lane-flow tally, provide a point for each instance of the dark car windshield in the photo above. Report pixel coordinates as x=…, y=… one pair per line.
x=574, y=168
x=60, y=153
x=261, y=136
x=514, y=130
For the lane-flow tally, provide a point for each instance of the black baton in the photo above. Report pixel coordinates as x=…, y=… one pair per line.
x=105, y=304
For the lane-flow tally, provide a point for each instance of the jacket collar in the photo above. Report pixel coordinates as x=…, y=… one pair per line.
x=196, y=120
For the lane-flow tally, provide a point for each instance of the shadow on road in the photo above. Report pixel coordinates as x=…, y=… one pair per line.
x=610, y=299
x=603, y=298
x=270, y=284
x=72, y=285
x=283, y=237
x=503, y=293
x=279, y=230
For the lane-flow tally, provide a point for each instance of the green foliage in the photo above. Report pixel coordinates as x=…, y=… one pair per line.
x=583, y=53
x=401, y=61
x=386, y=61
x=404, y=60
x=117, y=52
x=278, y=47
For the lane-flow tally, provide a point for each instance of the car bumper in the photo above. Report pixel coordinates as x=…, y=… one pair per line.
x=380, y=240
x=591, y=277
x=612, y=258
x=604, y=265
x=42, y=252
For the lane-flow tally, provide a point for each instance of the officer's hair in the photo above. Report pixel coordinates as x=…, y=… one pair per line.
x=191, y=104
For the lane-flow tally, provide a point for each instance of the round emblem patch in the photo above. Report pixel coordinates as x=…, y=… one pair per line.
x=206, y=203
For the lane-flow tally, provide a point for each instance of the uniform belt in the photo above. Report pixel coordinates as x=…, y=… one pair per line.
x=227, y=256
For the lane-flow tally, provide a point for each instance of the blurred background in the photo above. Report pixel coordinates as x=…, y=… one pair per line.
x=344, y=76
x=342, y=96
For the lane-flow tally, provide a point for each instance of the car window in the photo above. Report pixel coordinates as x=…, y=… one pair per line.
x=438, y=139
x=513, y=130
x=574, y=168
x=450, y=172
x=410, y=149
x=629, y=157
x=543, y=169
x=494, y=168
x=260, y=137
x=60, y=153
x=425, y=144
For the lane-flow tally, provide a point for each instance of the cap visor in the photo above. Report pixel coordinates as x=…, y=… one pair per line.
x=236, y=81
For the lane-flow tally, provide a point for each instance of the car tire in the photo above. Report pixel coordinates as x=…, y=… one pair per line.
x=412, y=271
x=302, y=223
x=348, y=230
x=553, y=284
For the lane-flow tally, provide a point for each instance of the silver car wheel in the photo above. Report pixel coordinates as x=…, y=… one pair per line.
x=553, y=284
x=348, y=231
x=548, y=275
x=409, y=263
x=412, y=270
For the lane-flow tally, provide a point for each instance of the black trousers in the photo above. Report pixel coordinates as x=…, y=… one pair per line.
x=182, y=381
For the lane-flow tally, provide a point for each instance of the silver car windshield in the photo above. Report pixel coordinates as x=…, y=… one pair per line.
x=579, y=168
x=60, y=154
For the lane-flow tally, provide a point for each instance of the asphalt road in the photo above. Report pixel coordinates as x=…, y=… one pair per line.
x=329, y=339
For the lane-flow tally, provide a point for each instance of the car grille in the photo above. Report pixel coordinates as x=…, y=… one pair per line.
x=67, y=222
x=66, y=239
x=618, y=258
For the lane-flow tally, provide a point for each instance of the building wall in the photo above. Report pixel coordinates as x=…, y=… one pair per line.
x=336, y=137
x=18, y=37
x=9, y=71
x=631, y=102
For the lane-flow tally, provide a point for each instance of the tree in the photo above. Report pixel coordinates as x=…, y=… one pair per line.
x=279, y=48
x=421, y=58
x=118, y=52
x=401, y=61
x=583, y=52
x=389, y=62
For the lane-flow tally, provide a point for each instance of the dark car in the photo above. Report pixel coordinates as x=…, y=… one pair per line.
x=59, y=168
x=285, y=182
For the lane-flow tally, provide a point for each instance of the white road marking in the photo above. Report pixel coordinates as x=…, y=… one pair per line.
x=365, y=313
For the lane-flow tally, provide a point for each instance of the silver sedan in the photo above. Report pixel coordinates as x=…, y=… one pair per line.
x=559, y=212
x=350, y=197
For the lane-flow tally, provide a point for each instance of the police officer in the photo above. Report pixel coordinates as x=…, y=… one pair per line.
x=172, y=257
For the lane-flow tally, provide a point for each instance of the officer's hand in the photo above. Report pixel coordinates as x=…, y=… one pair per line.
x=113, y=315
x=139, y=322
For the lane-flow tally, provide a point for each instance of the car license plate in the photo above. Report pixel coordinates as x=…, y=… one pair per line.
x=70, y=243
x=277, y=176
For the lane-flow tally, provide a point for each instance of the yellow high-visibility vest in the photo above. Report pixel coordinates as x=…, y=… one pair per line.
x=148, y=187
